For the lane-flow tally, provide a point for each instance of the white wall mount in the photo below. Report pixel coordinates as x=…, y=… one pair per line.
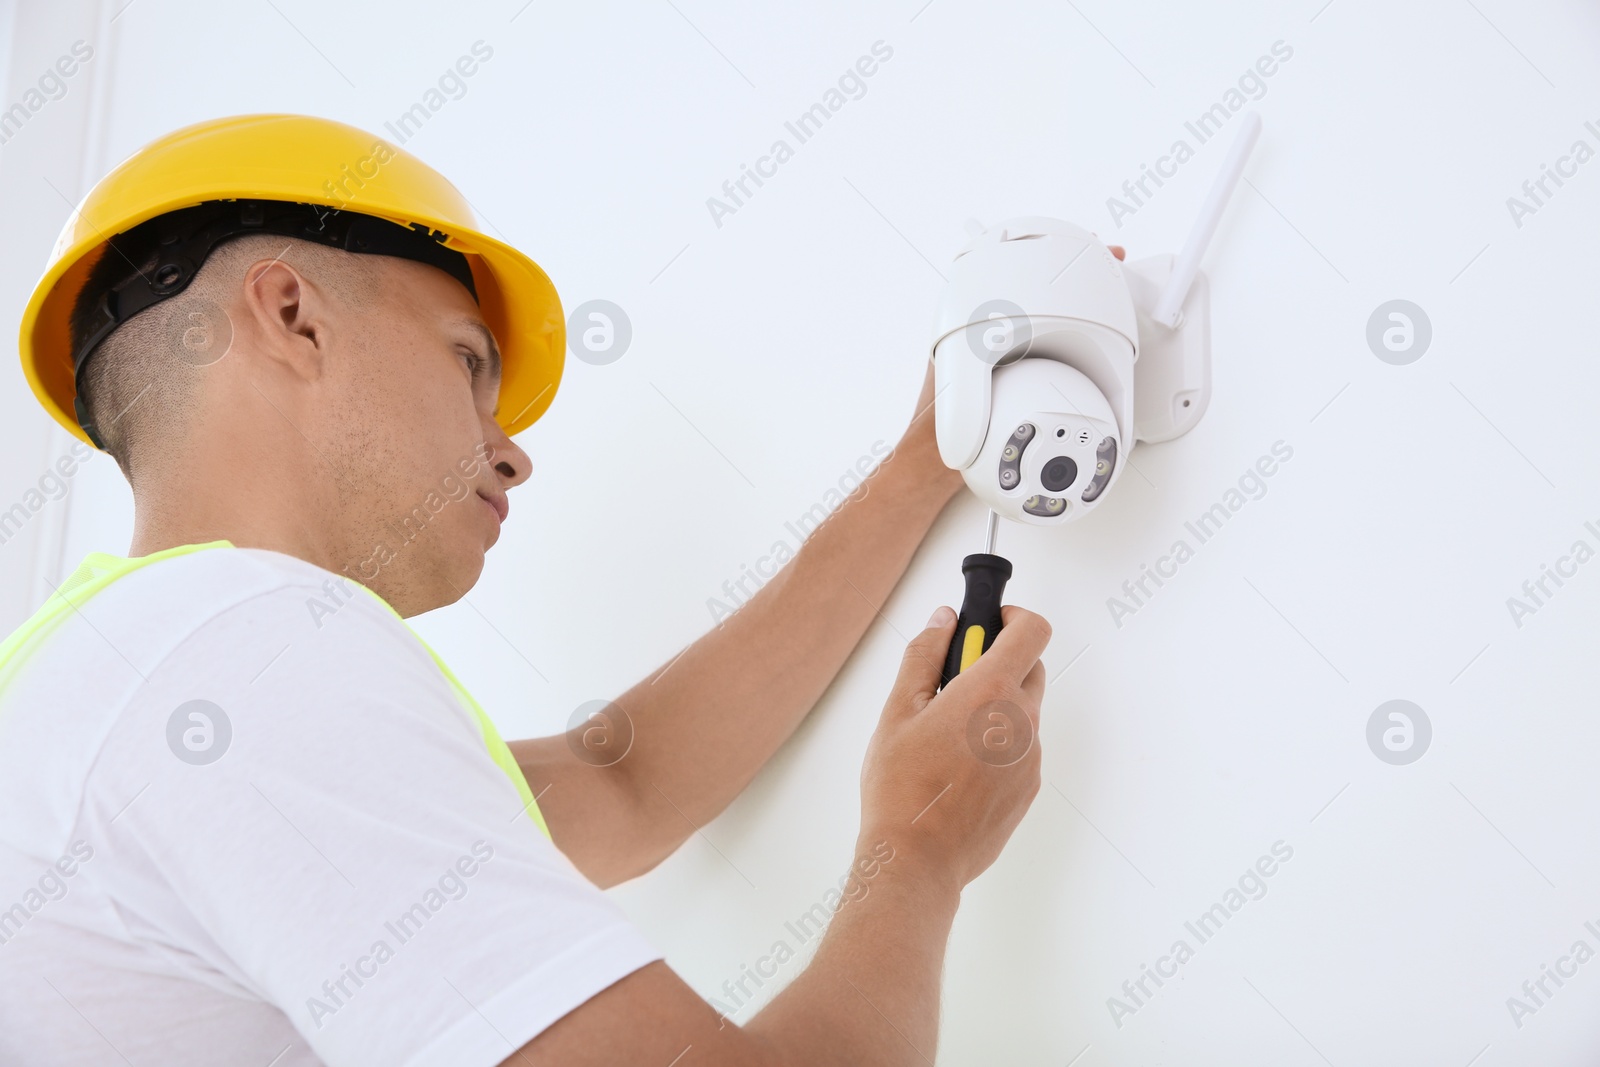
x=1052, y=358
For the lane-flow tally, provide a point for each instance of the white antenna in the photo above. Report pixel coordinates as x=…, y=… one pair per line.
x=1169, y=309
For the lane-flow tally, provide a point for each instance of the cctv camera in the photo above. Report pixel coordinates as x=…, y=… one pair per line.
x=1052, y=358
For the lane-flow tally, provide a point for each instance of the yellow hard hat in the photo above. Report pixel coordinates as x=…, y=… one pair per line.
x=288, y=160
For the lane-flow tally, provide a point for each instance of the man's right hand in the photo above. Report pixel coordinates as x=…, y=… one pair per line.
x=946, y=804
x=948, y=775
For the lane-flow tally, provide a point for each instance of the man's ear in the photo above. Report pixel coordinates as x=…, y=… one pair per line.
x=288, y=313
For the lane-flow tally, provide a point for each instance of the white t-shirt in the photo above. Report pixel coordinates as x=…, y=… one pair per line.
x=330, y=869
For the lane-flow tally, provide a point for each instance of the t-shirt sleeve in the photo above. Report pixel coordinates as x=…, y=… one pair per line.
x=316, y=821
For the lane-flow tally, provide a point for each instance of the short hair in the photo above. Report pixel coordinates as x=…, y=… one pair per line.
x=141, y=382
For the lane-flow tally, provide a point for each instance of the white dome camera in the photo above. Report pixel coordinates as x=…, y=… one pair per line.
x=1052, y=358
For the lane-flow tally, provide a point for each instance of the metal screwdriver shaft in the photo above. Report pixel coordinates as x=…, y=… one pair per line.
x=978, y=623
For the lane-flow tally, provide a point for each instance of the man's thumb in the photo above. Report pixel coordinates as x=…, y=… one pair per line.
x=923, y=664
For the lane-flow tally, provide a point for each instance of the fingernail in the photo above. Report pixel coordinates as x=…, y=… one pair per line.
x=942, y=616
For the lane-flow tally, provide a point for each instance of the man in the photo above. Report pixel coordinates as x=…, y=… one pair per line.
x=247, y=817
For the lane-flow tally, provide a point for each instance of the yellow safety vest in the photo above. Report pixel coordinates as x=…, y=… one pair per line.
x=99, y=570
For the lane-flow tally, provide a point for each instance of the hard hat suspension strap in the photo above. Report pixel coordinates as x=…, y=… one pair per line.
x=179, y=242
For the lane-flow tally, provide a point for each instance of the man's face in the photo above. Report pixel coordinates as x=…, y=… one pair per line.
x=426, y=464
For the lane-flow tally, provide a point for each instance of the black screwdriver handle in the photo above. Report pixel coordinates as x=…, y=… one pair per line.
x=978, y=623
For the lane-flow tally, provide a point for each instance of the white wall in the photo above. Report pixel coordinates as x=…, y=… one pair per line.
x=45, y=165
x=1230, y=712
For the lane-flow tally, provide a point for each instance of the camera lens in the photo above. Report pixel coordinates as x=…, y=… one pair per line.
x=1059, y=473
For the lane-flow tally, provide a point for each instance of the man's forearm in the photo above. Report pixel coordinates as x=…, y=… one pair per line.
x=871, y=993
x=705, y=724
x=869, y=996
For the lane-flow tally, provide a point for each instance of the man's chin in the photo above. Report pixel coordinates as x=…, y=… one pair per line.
x=462, y=572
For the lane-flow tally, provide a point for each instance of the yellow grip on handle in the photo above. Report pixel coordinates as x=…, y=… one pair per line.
x=971, y=646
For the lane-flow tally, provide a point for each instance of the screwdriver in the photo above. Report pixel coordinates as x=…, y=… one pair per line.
x=978, y=622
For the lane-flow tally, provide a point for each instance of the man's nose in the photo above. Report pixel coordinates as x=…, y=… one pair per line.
x=508, y=460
